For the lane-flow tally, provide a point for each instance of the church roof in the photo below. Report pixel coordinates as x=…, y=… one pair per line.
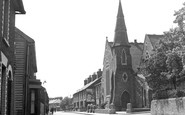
x=19, y=7
x=154, y=38
x=120, y=10
x=110, y=44
x=141, y=79
x=120, y=37
x=136, y=51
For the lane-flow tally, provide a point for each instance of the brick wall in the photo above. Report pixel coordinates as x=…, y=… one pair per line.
x=7, y=24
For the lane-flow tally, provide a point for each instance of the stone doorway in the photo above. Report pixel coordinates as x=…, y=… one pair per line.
x=125, y=98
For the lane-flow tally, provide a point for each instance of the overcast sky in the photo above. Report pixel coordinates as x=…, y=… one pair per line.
x=70, y=34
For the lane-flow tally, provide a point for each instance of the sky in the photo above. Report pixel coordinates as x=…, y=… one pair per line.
x=70, y=35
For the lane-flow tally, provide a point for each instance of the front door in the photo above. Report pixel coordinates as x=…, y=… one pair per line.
x=9, y=95
x=125, y=98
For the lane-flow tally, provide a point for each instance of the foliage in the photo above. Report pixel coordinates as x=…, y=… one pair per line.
x=66, y=103
x=160, y=94
x=164, y=68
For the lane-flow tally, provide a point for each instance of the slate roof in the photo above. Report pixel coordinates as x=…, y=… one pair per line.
x=136, y=51
x=55, y=101
x=142, y=81
x=20, y=33
x=32, y=46
x=110, y=44
x=154, y=38
x=89, y=84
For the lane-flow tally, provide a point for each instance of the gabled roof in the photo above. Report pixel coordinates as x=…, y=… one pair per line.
x=26, y=37
x=137, y=45
x=136, y=51
x=108, y=52
x=154, y=38
x=55, y=101
x=31, y=42
x=19, y=7
x=111, y=45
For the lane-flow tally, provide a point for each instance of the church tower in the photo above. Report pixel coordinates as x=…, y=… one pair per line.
x=123, y=77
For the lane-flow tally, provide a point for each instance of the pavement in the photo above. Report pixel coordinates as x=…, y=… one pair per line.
x=118, y=113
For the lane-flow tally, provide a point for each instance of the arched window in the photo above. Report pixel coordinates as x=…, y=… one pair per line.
x=123, y=57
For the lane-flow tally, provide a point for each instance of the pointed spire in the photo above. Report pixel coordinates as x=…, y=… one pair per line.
x=120, y=11
x=120, y=37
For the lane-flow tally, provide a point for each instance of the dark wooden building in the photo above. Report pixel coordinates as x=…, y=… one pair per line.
x=30, y=97
x=8, y=10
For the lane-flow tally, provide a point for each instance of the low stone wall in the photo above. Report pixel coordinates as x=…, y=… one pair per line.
x=172, y=106
x=106, y=111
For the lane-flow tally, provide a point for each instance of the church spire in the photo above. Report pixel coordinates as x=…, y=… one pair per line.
x=120, y=11
x=120, y=37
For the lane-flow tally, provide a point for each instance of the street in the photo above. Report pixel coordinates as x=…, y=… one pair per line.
x=85, y=113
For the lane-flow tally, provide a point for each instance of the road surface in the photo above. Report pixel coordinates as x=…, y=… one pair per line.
x=85, y=113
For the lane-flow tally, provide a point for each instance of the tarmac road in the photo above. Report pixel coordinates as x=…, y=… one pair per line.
x=85, y=113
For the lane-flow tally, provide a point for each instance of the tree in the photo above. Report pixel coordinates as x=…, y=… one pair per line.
x=164, y=68
x=66, y=103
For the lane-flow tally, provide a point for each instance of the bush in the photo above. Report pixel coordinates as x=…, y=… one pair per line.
x=180, y=93
x=172, y=93
x=160, y=94
x=165, y=94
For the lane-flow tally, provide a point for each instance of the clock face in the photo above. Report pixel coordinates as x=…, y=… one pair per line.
x=125, y=77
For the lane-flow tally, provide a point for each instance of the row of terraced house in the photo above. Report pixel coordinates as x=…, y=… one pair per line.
x=21, y=93
x=120, y=81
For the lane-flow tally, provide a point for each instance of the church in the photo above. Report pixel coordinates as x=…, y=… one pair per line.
x=121, y=83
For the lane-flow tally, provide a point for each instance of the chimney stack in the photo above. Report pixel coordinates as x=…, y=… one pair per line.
x=99, y=73
x=85, y=82
x=89, y=79
x=94, y=76
x=135, y=41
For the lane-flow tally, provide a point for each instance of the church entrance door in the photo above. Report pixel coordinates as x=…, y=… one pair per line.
x=125, y=98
